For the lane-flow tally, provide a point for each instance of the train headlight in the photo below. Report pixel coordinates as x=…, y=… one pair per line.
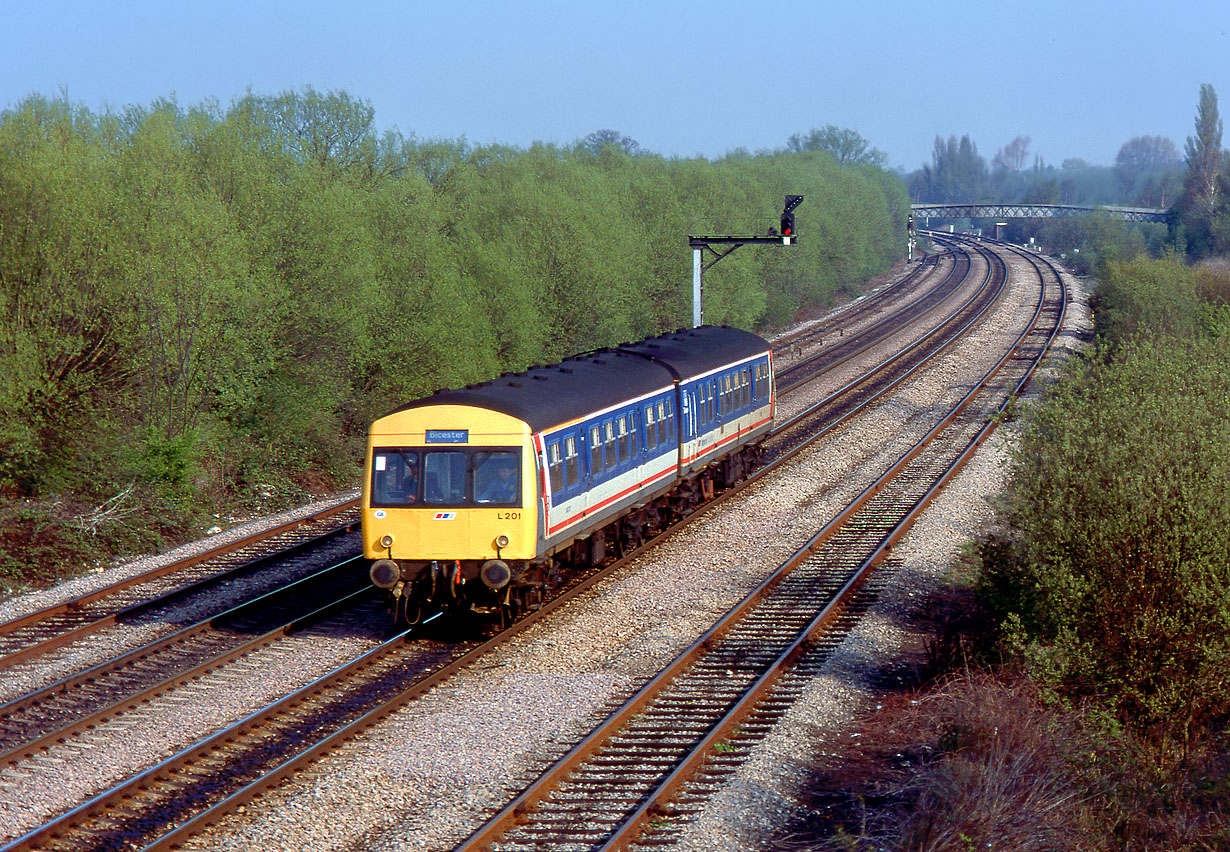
x=386, y=541
x=501, y=541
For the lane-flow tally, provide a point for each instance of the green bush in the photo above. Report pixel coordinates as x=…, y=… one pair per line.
x=1117, y=582
x=1143, y=297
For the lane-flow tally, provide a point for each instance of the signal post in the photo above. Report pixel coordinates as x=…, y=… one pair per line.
x=784, y=237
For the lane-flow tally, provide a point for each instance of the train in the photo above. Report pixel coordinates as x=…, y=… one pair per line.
x=481, y=498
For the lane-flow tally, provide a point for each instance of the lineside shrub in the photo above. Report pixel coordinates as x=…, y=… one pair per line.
x=1117, y=583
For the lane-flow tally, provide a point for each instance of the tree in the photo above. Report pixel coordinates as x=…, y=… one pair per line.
x=847, y=146
x=956, y=173
x=333, y=130
x=1202, y=202
x=1146, y=154
x=1205, y=160
x=1011, y=157
x=600, y=139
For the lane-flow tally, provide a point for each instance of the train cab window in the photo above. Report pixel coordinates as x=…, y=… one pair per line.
x=572, y=465
x=595, y=451
x=497, y=478
x=651, y=431
x=444, y=478
x=555, y=464
x=621, y=437
x=395, y=478
x=608, y=429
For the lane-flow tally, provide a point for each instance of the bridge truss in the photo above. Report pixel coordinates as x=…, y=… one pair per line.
x=1034, y=211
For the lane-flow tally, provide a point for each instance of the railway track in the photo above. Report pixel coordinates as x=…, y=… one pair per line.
x=69, y=709
x=115, y=814
x=638, y=775
x=40, y=632
x=876, y=330
x=850, y=317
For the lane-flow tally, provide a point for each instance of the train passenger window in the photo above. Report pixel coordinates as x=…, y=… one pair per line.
x=444, y=478
x=608, y=429
x=555, y=464
x=395, y=478
x=670, y=420
x=634, y=439
x=621, y=429
x=651, y=431
x=745, y=395
x=595, y=451
x=572, y=465
x=663, y=430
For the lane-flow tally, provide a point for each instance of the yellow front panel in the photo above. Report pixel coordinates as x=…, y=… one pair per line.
x=448, y=532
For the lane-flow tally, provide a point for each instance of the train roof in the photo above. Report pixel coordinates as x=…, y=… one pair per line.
x=546, y=396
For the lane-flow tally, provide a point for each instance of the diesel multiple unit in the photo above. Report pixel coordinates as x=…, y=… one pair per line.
x=477, y=498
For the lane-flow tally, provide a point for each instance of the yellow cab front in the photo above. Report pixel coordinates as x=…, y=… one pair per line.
x=448, y=501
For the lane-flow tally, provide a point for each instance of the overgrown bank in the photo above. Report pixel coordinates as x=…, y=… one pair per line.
x=1088, y=654
x=204, y=307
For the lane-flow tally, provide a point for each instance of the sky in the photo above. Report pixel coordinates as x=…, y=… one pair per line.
x=683, y=79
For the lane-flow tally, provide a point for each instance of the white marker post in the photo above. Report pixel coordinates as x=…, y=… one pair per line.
x=697, y=319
